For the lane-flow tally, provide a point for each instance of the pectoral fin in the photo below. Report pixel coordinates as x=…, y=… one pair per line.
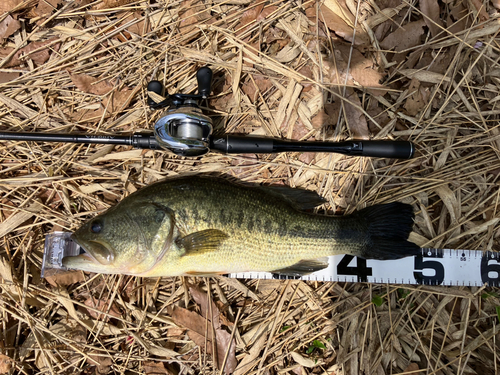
x=203, y=241
x=304, y=267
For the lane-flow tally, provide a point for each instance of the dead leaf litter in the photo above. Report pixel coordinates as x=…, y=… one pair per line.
x=425, y=71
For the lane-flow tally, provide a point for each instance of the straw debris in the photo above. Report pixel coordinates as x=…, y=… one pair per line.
x=425, y=71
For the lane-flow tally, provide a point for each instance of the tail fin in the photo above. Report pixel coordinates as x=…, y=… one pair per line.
x=389, y=226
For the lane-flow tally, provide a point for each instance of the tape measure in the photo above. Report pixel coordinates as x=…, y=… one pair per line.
x=432, y=267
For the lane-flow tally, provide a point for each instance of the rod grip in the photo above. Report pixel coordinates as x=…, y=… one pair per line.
x=388, y=149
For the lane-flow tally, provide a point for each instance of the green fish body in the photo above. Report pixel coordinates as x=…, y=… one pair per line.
x=207, y=226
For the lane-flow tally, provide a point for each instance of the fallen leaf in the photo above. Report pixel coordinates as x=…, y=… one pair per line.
x=450, y=201
x=424, y=76
x=246, y=364
x=354, y=117
x=457, y=17
x=90, y=85
x=5, y=364
x=480, y=10
x=363, y=70
x=418, y=99
x=97, y=304
x=19, y=218
x=430, y=10
x=379, y=113
x=301, y=360
x=175, y=331
x=156, y=368
x=46, y=7
x=7, y=77
x=109, y=4
x=432, y=63
x=209, y=312
x=306, y=72
x=299, y=370
x=140, y=28
x=112, y=103
x=249, y=16
x=65, y=278
x=404, y=37
x=339, y=7
x=339, y=26
x=327, y=117
x=266, y=12
x=413, y=369
x=104, y=366
x=248, y=87
x=41, y=55
x=10, y=5
x=8, y=26
x=287, y=53
x=196, y=325
x=68, y=327
x=383, y=15
x=192, y=13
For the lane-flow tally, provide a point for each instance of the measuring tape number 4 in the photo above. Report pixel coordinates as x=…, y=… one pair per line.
x=432, y=267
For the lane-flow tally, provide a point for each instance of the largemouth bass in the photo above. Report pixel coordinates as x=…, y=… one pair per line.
x=207, y=226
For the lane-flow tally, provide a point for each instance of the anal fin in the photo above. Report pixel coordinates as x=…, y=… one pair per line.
x=205, y=274
x=304, y=267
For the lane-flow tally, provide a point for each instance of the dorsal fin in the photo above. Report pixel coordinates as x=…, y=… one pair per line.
x=299, y=198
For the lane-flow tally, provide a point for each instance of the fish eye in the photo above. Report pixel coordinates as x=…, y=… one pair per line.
x=96, y=227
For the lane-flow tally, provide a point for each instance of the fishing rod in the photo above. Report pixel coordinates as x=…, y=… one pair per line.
x=186, y=131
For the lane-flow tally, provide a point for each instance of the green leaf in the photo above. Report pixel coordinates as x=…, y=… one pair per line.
x=498, y=313
x=403, y=293
x=489, y=294
x=284, y=328
x=318, y=344
x=377, y=300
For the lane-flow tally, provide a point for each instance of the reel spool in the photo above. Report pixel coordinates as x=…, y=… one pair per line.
x=185, y=130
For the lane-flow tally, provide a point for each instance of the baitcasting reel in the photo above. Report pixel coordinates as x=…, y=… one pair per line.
x=186, y=131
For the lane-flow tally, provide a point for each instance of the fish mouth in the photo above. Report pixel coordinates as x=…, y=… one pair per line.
x=94, y=251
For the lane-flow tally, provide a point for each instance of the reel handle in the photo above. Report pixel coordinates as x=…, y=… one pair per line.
x=157, y=88
x=204, y=77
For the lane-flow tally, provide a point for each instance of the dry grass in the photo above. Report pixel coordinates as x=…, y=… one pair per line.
x=79, y=66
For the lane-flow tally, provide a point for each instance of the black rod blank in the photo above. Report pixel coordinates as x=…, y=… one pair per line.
x=234, y=144
x=138, y=140
x=67, y=138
